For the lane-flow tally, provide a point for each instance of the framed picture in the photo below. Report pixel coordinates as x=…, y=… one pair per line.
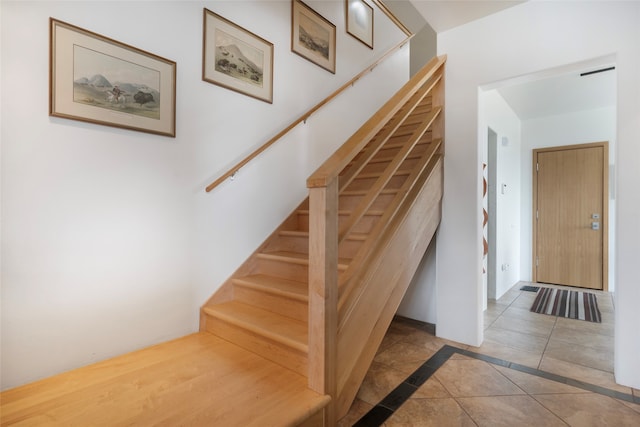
x=360, y=21
x=98, y=80
x=236, y=59
x=312, y=36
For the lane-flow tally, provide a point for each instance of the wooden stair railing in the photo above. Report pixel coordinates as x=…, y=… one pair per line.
x=310, y=298
x=346, y=319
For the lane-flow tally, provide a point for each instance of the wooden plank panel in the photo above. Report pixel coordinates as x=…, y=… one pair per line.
x=387, y=278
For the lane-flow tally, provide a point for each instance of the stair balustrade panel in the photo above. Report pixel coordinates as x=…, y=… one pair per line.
x=377, y=178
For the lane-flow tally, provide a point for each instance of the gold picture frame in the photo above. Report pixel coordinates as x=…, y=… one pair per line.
x=235, y=58
x=360, y=21
x=95, y=79
x=313, y=37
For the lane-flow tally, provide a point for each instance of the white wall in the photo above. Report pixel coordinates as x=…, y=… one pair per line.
x=109, y=242
x=521, y=40
x=566, y=129
x=419, y=302
x=424, y=41
x=496, y=114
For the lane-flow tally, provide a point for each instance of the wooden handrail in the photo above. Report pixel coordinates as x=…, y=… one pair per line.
x=306, y=115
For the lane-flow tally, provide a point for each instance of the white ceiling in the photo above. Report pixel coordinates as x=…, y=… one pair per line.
x=549, y=93
x=443, y=15
x=561, y=94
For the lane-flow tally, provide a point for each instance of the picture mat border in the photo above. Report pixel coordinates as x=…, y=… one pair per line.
x=365, y=38
x=61, y=103
x=297, y=48
x=210, y=75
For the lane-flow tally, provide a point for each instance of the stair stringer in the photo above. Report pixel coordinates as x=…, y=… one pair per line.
x=383, y=285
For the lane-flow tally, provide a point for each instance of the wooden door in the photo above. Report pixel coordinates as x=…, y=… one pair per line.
x=570, y=215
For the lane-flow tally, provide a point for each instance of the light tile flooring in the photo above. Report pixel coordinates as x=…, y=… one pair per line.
x=466, y=391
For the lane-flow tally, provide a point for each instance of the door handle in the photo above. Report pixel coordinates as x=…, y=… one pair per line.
x=595, y=225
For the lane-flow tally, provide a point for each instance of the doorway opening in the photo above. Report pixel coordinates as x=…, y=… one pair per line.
x=566, y=105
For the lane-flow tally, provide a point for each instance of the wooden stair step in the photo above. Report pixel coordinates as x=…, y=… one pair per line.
x=379, y=158
x=299, y=233
x=275, y=337
x=369, y=175
x=294, y=233
x=276, y=327
x=361, y=237
x=387, y=159
x=298, y=240
x=296, y=258
x=365, y=184
x=391, y=145
x=347, y=212
x=286, y=297
x=418, y=115
x=293, y=240
x=395, y=145
x=274, y=285
x=364, y=192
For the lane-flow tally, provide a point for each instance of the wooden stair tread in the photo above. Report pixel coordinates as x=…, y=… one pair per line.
x=387, y=159
x=297, y=258
x=357, y=236
x=198, y=379
x=364, y=192
x=347, y=212
x=351, y=236
x=276, y=327
x=378, y=174
x=275, y=285
x=294, y=233
x=394, y=145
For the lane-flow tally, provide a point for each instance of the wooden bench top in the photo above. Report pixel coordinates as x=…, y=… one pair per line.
x=196, y=380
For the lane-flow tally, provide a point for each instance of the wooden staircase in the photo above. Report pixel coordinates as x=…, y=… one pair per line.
x=385, y=207
x=288, y=339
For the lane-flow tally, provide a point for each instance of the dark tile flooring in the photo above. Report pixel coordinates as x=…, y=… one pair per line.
x=532, y=369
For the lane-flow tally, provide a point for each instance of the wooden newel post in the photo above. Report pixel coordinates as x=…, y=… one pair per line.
x=323, y=292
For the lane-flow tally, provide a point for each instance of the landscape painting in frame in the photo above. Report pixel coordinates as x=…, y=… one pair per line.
x=236, y=59
x=99, y=80
x=360, y=21
x=312, y=36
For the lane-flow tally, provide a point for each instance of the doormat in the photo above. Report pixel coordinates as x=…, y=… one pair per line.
x=570, y=304
x=530, y=288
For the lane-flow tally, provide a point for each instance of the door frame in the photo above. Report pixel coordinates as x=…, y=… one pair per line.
x=492, y=168
x=605, y=205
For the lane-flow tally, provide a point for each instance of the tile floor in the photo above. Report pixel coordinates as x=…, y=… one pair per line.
x=507, y=381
